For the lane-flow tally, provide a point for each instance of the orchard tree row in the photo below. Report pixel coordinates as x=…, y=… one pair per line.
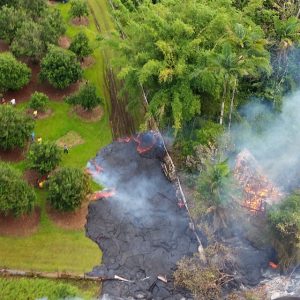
x=32, y=29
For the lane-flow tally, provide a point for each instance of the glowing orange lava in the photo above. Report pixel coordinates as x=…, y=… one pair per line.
x=102, y=194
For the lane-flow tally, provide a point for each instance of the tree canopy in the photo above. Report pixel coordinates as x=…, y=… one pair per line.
x=30, y=26
x=17, y=197
x=44, y=157
x=27, y=41
x=87, y=97
x=15, y=127
x=68, y=188
x=13, y=74
x=80, y=45
x=190, y=56
x=38, y=101
x=79, y=8
x=60, y=68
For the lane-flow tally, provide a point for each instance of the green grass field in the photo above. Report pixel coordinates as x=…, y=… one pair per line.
x=32, y=289
x=52, y=248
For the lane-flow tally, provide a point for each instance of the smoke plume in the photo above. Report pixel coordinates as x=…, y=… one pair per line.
x=274, y=140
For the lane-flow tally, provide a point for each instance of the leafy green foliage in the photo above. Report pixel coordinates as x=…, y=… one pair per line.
x=34, y=8
x=60, y=68
x=15, y=127
x=11, y=19
x=215, y=184
x=9, y=2
x=68, y=188
x=53, y=26
x=27, y=41
x=284, y=222
x=209, y=133
x=38, y=101
x=87, y=97
x=16, y=196
x=25, y=289
x=80, y=45
x=79, y=8
x=44, y=157
x=30, y=27
x=13, y=74
x=185, y=62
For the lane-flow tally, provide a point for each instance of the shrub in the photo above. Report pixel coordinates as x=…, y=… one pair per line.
x=80, y=45
x=215, y=184
x=284, y=223
x=16, y=196
x=79, y=8
x=15, y=127
x=13, y=74
x=68, y=188
x=44, y=157
x=203, y=282
x=38, y=101
x=60, y=68
x=209, y=133
x=87, y=97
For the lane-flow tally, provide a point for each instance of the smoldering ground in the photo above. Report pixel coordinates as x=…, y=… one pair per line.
x=141, y=230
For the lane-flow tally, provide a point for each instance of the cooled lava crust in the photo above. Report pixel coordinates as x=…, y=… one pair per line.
x=141, y=230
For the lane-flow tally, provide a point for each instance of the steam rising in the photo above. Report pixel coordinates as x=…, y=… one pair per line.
x=275, y=143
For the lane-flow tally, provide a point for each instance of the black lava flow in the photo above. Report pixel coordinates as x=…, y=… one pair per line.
x=141, y=230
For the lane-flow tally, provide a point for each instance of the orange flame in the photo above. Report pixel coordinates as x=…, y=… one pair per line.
x=258, y=190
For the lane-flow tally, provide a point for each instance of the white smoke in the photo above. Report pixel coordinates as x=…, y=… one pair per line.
x=276, y=141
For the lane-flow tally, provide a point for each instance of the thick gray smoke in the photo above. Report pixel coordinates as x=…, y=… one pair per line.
x=133, y=191
x=275, y=142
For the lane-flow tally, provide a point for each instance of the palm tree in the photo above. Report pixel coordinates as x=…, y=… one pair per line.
x=242, y=55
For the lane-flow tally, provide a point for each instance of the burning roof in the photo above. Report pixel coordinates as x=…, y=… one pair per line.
x=258, y=190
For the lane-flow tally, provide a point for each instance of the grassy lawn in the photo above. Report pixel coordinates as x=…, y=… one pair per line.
x=31, y=289
x=52, y=248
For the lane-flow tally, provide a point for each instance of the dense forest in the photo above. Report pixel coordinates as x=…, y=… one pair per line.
x=203, y=60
